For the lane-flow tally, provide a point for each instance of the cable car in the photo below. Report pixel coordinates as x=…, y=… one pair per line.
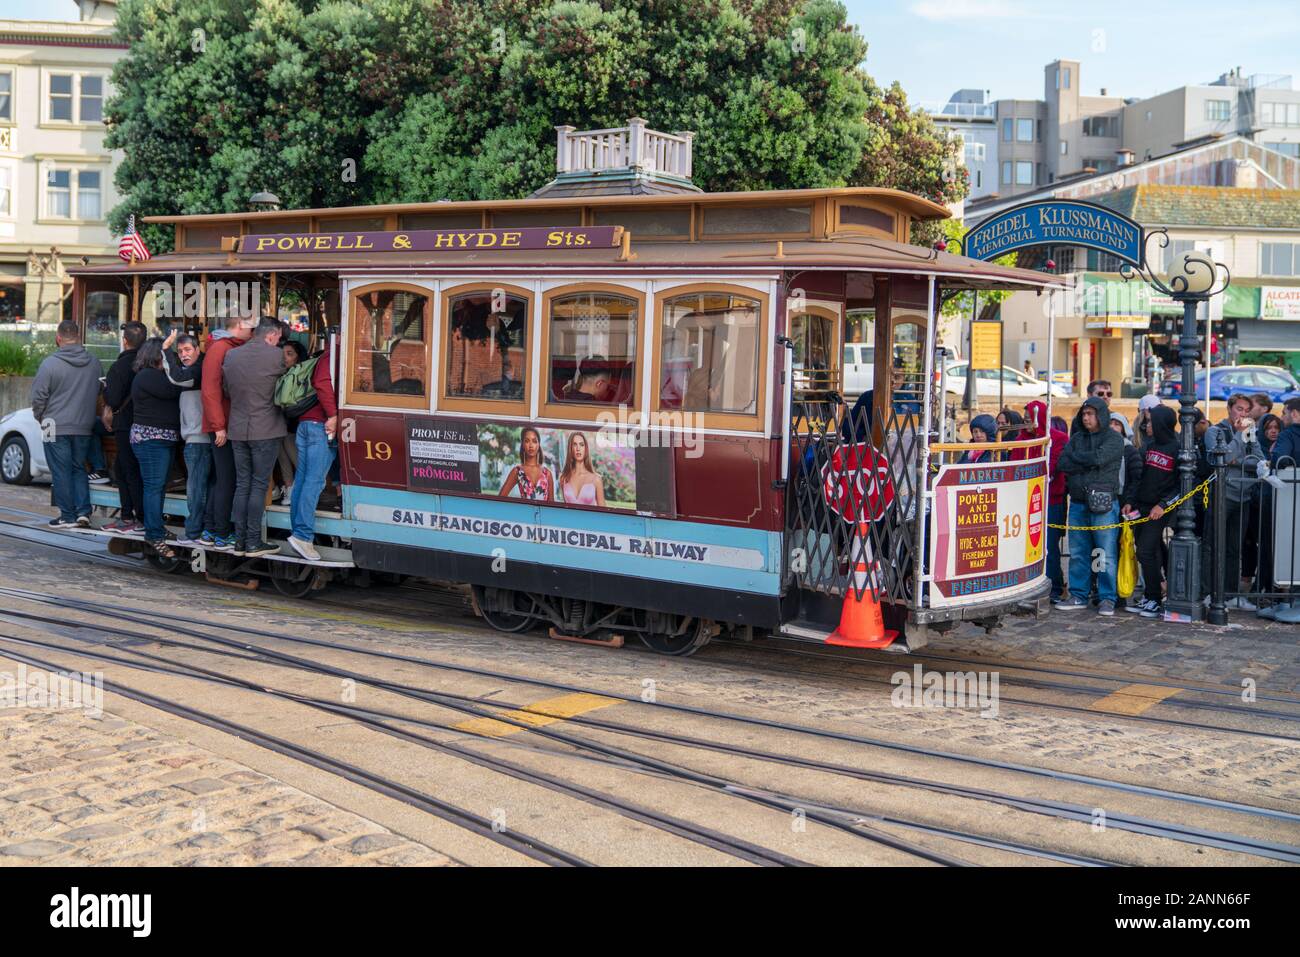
x=619, y=411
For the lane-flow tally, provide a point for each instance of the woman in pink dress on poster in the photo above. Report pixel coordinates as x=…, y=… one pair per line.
x=530, y=477
x=579, y=483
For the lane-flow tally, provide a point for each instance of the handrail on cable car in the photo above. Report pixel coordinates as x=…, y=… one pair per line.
x=987, y=446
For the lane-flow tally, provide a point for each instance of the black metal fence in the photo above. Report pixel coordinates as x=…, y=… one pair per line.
x=1251, y=538
x=851, y=499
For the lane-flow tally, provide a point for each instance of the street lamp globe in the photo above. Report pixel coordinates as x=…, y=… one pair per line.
x=1193, y=275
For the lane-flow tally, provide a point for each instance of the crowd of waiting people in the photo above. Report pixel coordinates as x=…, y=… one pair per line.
x=217, y=405
x=1103, y=469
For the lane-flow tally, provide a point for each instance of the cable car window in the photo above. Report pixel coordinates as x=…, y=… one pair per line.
x=709, y=353
x=390, y=345
x=593, y=337
x=487, y=346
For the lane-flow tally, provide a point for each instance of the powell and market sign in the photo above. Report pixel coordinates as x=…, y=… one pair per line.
x=432, y=240
x=1057, y=222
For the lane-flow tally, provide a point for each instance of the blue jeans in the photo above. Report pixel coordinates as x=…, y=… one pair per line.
x=198, y=466
x=66, y=458
x=155, y=458
x=1082, y=546
x=315, y=457
x=96, y=454
x=1055, y=516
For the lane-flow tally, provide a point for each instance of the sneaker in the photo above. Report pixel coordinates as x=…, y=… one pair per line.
x=207, y=540
x=130, y=528
x=1106, y=608
x=261, y=548
x=184, y=541
x=1072, y=603
x=277, y=496
x=83, y=521
x=306, y=549
x=223, y=543
x=60, y=523
x=113, y=526
x=97, y=478
x=1135, y=608
x=1151, y=609
x=1241, y=604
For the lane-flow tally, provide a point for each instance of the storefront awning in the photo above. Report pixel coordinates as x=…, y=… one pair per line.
x=1239, y=302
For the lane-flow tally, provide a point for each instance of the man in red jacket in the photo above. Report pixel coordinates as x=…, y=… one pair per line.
x=316, y=449
x=218, y=529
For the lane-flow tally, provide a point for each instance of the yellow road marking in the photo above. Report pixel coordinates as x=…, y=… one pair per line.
x=1133, y=699
x=538, y=714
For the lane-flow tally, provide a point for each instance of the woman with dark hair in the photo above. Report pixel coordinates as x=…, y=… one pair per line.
x=1010, y=427
x=531, y=477
x=1150, y=497
x=579, y=483
x=983, y=429
x=1060, y=425
x=1268, y=429
x=155, y=433
x=287, y=457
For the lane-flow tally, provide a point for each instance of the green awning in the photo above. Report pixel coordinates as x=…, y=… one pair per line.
x=1239, y=302
x=1103, y=296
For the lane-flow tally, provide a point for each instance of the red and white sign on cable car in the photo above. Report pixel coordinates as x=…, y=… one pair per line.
x=857, y=473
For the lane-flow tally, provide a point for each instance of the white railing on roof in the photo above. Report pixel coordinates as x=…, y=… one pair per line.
x=626, y=147
x=960, y=109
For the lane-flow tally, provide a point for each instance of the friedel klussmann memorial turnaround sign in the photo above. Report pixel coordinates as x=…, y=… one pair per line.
x=1056, y=222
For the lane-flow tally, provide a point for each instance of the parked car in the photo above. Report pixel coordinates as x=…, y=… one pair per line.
x=22, y=455
x=859, y=368
x=1010, y=383
x=1278, y=383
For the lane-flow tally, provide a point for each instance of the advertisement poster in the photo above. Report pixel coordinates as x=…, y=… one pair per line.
x=570, y=466
x=988, y=531
x=1279, y=302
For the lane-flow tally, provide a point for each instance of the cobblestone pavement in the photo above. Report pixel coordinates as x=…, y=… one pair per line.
x=80, y=790
x=1248, y=647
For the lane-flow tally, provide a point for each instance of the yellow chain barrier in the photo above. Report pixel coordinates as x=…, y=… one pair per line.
x=1203, y=488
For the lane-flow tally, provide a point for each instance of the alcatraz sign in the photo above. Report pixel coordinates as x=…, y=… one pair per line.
x=432, y=240
x=1056, y=222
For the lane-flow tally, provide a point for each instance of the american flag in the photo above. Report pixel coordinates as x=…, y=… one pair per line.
x=131, y=245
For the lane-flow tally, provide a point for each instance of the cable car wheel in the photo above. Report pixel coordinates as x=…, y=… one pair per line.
x=504, y=609
x=167, y=565
x=301, y=582
x=675, y=635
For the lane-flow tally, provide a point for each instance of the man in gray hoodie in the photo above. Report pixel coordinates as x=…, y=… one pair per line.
x=63, y=402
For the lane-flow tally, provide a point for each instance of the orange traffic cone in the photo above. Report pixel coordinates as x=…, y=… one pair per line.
x=862, y=625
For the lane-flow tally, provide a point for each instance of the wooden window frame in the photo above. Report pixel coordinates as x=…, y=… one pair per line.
x=588, y=411
x=838, y=226
x=702, y=220
x=722, y=421
x=836, y=318
x=360, y=397
x=489, y=407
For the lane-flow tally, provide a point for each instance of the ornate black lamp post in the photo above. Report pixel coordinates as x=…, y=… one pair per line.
x=1193, y=278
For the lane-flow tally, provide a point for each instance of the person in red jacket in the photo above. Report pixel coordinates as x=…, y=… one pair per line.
x=1036, y=414
x=316, y=450
x=218, y=529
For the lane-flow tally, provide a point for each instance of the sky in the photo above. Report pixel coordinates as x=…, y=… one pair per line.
x=1134, y=48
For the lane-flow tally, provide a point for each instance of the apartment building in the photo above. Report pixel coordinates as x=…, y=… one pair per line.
x=56, y=177
x=967, y=117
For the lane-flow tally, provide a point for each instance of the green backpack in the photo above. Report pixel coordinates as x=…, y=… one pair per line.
x=294, y=393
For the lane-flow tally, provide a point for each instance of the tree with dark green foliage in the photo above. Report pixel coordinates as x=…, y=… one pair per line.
x=351, y=102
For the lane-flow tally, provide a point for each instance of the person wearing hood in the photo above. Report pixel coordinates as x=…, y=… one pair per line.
x=63, y=402
x=1036, y=417
x=1140, y=430
x=218, y=527
x=983, y=428
x=1235, y=436
x=121, y=415
x=1150, y=498
x=1091, y=461
x=1286, y=448
x=1130, y=472
x=1013, y=430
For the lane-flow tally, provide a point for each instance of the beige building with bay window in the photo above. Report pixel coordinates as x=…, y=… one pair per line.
x=56, y=177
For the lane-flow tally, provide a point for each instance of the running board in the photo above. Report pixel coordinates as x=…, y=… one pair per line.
x=330, y=557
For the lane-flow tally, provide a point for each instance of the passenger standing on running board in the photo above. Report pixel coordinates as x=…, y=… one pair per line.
x=185, y=369
x=255, y=429
x=119, y=416
x=63, y=403
x=218, y=532
x=316, y=450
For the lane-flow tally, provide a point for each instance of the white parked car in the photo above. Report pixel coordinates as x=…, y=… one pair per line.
x=1009, y=383
x=859, y=368
x=22, y=456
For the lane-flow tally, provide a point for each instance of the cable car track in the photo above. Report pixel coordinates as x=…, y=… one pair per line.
x=1077, y=812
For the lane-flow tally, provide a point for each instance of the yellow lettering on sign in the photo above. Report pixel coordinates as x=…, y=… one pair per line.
x=511, y=239
x=323, y=242
x=286, y=243
x=487, y=239
x=264, y=242
x=444, y=239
